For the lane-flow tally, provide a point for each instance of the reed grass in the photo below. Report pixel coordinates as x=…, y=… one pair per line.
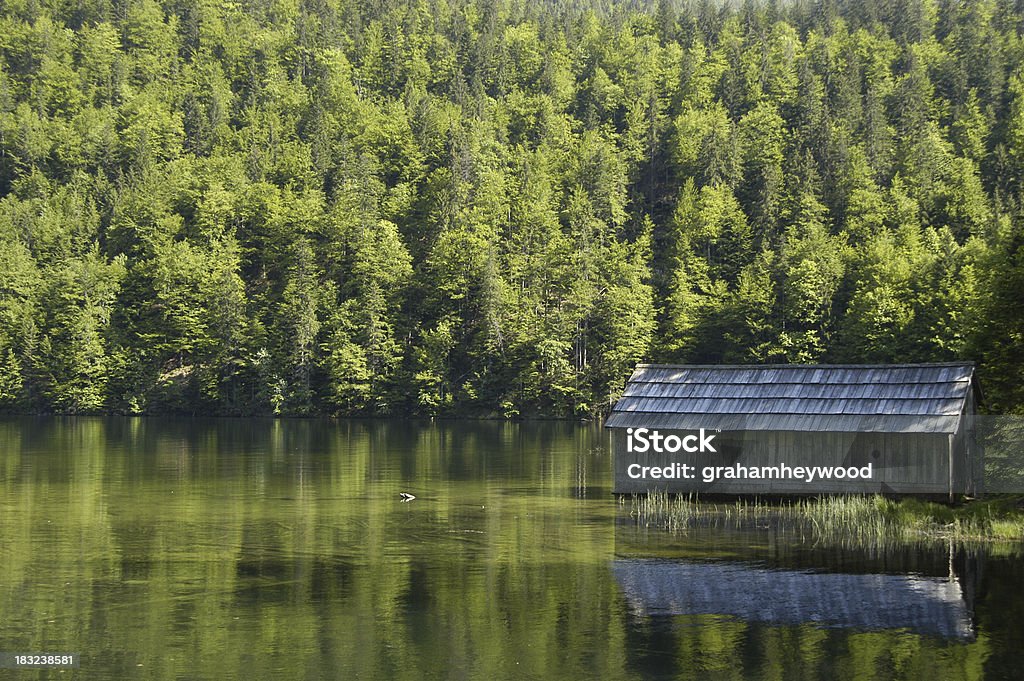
x=853, y=520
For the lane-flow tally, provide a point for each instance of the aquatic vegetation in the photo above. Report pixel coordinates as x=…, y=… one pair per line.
x=861, y=520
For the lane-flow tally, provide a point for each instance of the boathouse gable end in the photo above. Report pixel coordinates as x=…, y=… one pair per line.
x=801, y=429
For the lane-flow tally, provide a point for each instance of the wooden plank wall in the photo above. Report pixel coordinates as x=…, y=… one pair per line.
x=902, y=463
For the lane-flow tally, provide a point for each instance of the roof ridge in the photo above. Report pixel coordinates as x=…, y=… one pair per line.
x=916, y=365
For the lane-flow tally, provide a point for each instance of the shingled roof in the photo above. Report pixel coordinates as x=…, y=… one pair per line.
x=895, y=398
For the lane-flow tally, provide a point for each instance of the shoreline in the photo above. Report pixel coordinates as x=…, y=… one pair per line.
x=863, y=520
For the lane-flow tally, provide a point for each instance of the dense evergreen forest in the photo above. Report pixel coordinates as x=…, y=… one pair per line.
x=498, y=207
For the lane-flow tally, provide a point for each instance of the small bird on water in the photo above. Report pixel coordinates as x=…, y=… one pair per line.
x=406, y=496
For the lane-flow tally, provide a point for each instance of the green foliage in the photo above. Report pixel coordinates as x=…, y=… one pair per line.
x=73, y=360
x=496, y=208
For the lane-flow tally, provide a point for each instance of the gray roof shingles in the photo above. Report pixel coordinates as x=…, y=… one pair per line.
x=898, y=398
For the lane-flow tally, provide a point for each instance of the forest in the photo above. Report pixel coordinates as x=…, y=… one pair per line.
x=498, y=207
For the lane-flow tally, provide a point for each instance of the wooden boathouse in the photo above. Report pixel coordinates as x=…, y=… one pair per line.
x=797, y=429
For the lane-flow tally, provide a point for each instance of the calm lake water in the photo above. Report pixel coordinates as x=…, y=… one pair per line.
x=165, y=548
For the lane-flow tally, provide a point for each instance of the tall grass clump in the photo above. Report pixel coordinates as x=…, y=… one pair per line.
x=678, y=512
x=853, y=518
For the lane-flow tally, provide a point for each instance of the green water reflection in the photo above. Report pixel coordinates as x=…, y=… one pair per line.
x=267, y=549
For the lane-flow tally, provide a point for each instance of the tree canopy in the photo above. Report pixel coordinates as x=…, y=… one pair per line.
x=494, y=207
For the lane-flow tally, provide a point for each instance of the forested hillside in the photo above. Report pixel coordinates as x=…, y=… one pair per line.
x=474, y=207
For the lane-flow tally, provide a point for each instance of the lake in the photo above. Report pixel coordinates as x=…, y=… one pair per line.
x=167, y=548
